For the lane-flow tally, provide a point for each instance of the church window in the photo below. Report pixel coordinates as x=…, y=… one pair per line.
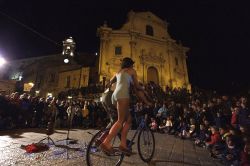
x=118, y=50
x=149, y=30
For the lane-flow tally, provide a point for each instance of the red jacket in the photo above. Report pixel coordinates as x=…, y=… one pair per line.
x=234, y=119
x=215, y=138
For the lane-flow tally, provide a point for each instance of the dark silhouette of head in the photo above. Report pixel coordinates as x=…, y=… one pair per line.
x=127, y=62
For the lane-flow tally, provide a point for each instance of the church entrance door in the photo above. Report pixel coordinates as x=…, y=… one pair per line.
x=152, y=75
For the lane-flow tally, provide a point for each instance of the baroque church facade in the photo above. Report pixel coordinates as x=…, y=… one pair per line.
x=144, y=38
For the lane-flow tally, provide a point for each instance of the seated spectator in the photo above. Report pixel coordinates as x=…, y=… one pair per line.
x=153, y=125
x=239, y=140
x=214, y=139
x=175, y=129
x=245, y=156
x=182, y=129
x=206, y=124
x=192, y=129
x=162, y=112
x=165, y=128
x=202, y=137
x=224, y=133
x=244, y=134
x=231, y=154
x=220, y=146
x=155, y=109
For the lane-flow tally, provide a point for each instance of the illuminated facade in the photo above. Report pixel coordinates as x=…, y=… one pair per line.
x=144, y=38
x=75, y=78
x=50, y=75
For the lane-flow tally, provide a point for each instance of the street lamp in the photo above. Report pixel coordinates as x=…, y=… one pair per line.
x=66, y=60
x=2, y=61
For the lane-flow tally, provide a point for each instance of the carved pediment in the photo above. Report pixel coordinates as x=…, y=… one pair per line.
x=151, y=58
x=114, y=62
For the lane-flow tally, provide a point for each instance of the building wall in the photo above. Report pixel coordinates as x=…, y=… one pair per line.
x=44, y=72
x=154, y=55
x=7, y=86
x=77, y=78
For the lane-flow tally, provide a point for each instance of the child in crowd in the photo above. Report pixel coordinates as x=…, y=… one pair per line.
x=183, y=129
x=214, y=138
x=224, y=133
x=221, y=145
x=231, y=155
x=202, y=137
x=165, y=128
x=153, y=125
x=235, y=118
x=192, y=129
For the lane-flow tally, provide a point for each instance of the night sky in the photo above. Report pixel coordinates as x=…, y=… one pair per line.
x=217, y=33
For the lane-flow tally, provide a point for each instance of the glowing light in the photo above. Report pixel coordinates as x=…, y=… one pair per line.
x=20, y=78
x=31, y=84
x=2, y=61
x=96, y=54
x=70, y=40
x=37, y=91
x=49, y=94
x=66, y=60
x=69, y=97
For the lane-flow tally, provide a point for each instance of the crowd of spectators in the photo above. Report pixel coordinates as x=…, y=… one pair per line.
x=24, y=111
x=216, y=122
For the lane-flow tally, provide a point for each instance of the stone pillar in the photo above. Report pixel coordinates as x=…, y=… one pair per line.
x=185, y=69
x=103, y=32
x=170, y=67
x=132, y=45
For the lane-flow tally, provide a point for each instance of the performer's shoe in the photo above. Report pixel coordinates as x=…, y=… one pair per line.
x=125, y=151
x=108, y=151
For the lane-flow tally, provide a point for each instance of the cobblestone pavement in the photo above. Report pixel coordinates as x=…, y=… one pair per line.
x=169, y=150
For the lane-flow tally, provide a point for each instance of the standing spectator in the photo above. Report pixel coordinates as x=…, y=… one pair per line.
x=219, y=120
x=39, y=107
x=235, y=118
x=243, y=114
x=85, y=115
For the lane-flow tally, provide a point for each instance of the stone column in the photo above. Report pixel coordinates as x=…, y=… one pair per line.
x=132, y=45
x=185, y=69
x=104, y=33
